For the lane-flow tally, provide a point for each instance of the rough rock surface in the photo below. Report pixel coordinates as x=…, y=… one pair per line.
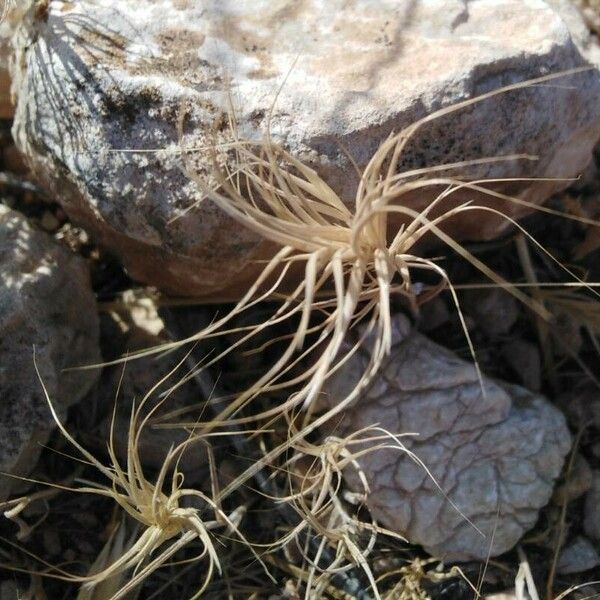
x=45, y=301
x=591, y=517
x=93, y=77
x=495, y=457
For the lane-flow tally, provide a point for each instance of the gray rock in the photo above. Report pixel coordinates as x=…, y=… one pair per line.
x=495, y=456
x=591, y=515
x=95, y=77
x=45, y=301
x=581, y=17
x=577, y=557
x=525, y=360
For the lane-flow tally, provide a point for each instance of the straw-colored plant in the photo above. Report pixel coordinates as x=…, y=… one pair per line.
x=169, y=516
x=352, y=266
x=325, y=518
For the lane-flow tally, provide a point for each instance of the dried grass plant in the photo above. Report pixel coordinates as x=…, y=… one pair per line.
x=169, y=516
x=352, y=267
x=345, y=250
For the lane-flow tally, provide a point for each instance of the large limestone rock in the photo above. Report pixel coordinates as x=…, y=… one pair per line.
x=45, y=301
x=492, y=458
x=94, y=78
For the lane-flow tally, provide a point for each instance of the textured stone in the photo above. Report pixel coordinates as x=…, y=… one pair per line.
x=93, y=77
x=45, y=301
x=494, y=456
x=524, y=359
x=577, y=484
x=494, y=310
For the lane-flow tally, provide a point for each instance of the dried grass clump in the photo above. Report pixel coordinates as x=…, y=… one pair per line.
x=352, y=267
x=326, y=516
x=351, y=264
x=168, y=515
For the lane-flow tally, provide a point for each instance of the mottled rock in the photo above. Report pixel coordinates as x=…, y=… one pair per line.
x=46, y=302
x=582, y=405
x=94, y=78
x=582, y=18
x=578, y=556
x=590, y=9
x=494, y=456
x=591, y=515
x=579, y=481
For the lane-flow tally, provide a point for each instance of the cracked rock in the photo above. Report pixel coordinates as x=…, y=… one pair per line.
x=95, y=78
x=46, y=301
x=492, y=458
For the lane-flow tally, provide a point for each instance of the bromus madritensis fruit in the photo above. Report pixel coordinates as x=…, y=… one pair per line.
x=167, y=515
x=354, y=262
x=352, y=259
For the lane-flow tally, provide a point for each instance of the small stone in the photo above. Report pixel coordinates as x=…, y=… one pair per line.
x=494, y=456
x=566, y=331
x=13, y=160
x=51, y=539
x=591, y=511
x=582, y=406
x=433, y=314
x=525, y=360
x=578, y=556
x=49, y=222
x=493, y=310
x=46, y=303
x=578, y=483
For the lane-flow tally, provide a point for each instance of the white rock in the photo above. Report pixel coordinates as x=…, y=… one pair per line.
x=95, y=77
x=494, y=457
x=46, y=301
